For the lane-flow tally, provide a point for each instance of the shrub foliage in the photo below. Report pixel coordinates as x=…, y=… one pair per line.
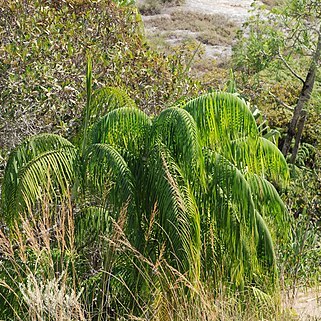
x=44, y=49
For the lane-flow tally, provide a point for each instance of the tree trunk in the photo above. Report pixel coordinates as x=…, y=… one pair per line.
x=303, y=98
x=298, y=136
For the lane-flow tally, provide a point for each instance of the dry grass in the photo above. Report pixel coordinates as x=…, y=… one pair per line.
x=174, y=297
x=37, y=267
x=38, y=259
x=52, y=299
x=207, y=28
x=213, y=35
x=153, y=7
x=42, y=278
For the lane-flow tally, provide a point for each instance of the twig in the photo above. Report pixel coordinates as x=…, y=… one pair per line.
x=281, y=102
x=289, y=67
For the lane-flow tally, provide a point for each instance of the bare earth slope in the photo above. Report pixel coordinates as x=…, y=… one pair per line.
x=237, y=10
x=176, y=24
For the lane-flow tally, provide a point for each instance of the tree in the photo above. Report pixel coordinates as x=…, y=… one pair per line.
x=289, y=36
x=194, y=181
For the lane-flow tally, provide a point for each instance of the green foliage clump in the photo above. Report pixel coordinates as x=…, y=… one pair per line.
x=275, y=55
x=44, y=49
x=276, y=63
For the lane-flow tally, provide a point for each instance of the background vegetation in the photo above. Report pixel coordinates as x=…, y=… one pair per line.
x=43, y=57
x=152, y=7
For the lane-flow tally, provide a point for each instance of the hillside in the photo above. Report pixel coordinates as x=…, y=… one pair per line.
x=211, y=23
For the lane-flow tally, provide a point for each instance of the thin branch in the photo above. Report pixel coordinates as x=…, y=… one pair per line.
x=290, y=68
x=281, y=102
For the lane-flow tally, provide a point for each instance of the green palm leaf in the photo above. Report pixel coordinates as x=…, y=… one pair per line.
x=231, y=185
x=178, y=131
x=179, y=218
x=267, y=200
x=265, y=246
x=126, y=129
x=107, y=176
x=221, y=117
x=42, y=165
x=259, y=156
x=105, y=100
x=90, y=224
x=232, y=211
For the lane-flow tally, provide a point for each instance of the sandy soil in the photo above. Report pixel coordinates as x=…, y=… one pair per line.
x=236, y=10
x=306, y=304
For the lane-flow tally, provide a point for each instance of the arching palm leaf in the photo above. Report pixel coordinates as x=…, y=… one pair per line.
x=178, y=131
x=178, y=214
x=265, y=246
x=42, y=165
x=126, y=129
x=105, y=100
x=232, y=210
x=221, y=117
x=267, y=200
x=107, y=178
x=259, y=156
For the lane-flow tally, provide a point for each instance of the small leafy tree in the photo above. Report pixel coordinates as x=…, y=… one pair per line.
x=288, y=37
x=44, y=45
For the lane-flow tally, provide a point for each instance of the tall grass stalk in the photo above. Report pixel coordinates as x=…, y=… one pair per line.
x=38, y=276
x=41, y=278
x=173, y=296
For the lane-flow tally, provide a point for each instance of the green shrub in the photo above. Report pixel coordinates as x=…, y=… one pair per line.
x=44, y=49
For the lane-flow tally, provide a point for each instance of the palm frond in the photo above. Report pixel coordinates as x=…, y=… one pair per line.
x=230, y=204
x=107, y=176
x=178, y=218
x=126, y=129
x=221, y=117
x=265, y=246
x=231, y=185
x=105, y=100
x=90, y=224
x=267, y=200
x=178, y=131
x=43, y=164
x=259, y=156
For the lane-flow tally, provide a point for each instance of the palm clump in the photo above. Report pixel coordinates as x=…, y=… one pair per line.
x=190, y=189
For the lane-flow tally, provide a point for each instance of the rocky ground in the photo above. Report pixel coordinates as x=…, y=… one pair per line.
x=236, y=10
x=306, y=304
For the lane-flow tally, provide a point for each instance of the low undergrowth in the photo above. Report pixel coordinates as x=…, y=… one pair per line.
x=44, y=277
x=153, y=7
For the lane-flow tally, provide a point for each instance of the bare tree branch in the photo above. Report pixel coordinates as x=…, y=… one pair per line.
x=290, y=68
x=281, y=102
